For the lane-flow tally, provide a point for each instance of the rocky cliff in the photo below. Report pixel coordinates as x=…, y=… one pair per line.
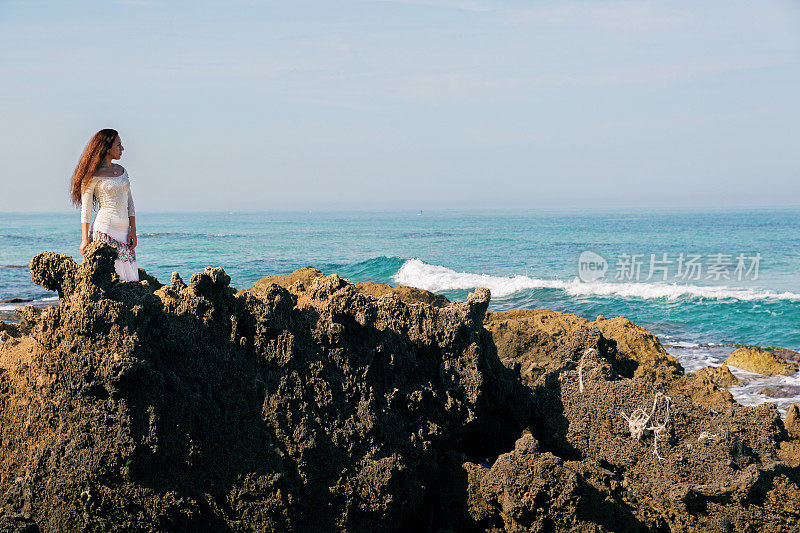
x=311, y=404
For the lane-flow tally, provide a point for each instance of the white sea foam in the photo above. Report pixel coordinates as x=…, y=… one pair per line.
x=11, y=307
x=755, y=388
x=674, y=291
x=684, y=344
x=693, y=357
x=785, y=390
x=417, y=273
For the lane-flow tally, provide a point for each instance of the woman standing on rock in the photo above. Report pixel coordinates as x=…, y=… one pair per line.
x=99, y=182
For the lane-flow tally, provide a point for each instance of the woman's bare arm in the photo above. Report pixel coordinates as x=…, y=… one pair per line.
x=84, y=236
x=87, y=197
x=132, y=233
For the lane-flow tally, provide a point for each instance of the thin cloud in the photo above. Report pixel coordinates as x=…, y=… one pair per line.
x=638, y=16
x=138, y=3
x=455, y=4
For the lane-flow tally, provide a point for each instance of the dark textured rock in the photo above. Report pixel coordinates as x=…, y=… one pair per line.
x=706, y=465
x=786, y=353
x=533, y=490
x=11, y=330
x=306, y=404
x=154, y=407
x=18, y=524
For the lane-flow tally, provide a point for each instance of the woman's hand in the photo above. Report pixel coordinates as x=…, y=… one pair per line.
x=132, y=238
x=84, y=244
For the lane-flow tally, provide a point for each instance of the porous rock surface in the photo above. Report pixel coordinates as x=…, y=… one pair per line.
x=316, y=407
x=579, y=468
x=707, y=469
x=533, y=337
x=529, y=341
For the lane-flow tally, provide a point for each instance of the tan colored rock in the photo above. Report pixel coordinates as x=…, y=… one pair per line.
x=16, y=356
x=792, y=421
x=765, y=362
x=707, y=386
x=639, y=344
x=303, y=275
x=407, y=294
x=530, y=338
x=721, y=376
x=306, y=274
x=789, y=453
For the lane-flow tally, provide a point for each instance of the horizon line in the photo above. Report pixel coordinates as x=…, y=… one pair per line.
x=771, y=207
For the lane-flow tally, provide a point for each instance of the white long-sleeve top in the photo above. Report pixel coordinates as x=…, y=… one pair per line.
x=116, y=205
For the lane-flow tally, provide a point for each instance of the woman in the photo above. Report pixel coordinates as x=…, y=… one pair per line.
x=99, y=182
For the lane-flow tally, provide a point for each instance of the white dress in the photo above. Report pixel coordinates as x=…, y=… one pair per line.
x=112, y=223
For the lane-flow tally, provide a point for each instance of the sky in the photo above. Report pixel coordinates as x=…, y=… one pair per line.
x=405, y=104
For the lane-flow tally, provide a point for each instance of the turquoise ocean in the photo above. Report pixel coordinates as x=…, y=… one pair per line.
x=732, y=276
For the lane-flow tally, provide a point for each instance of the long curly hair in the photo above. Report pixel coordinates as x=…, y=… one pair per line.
x=94, y=154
